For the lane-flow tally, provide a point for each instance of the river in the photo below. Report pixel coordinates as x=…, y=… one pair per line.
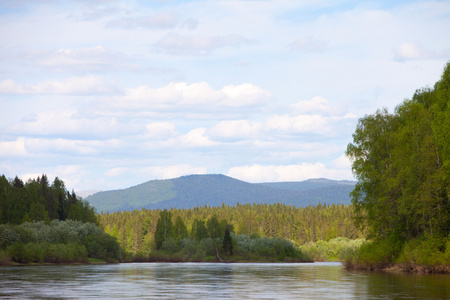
x=215, y=281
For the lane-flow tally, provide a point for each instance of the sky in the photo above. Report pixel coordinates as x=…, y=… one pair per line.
x=110, y=94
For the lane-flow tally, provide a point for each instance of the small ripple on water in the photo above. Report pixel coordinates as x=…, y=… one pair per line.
x=214, y=281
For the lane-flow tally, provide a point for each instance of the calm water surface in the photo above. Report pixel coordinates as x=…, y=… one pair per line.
x=215, y=281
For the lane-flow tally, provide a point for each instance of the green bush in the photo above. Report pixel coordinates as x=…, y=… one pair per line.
x=425, y=250
x=65, y=253
x=5, y=259
x=8, y=236
x=376, y=254
x=337, y=249
x=170, y=246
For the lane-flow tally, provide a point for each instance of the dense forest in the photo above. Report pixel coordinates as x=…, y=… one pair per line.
x=38, y=200
x=402, y=163
x=214, y=240
x=43, y=222
x=135, y=230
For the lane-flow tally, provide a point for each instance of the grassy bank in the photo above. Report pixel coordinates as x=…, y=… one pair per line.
x=336, y=249
x=425, y=254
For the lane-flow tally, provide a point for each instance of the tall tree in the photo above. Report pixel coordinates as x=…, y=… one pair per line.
x=227, y=242
x=164, y=228
x=402, y=164
x=180, y=229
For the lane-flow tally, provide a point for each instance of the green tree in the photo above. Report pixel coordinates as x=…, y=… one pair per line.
x=199, y=231
x=401, y=162
x=227, y=242
x=164, y=228
x=180, y=229
x=214, y=227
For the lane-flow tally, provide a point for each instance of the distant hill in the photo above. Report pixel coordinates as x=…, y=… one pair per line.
x=213, y=190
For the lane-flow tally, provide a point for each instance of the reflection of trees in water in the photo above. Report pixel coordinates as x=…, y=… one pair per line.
x=404, y=285
x=217, y=280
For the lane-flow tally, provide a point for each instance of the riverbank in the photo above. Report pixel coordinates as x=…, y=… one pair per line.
x=400, y=268
x=421, y=255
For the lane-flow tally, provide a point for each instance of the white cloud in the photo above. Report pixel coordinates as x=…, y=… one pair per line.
x=87, y=59
x=177, y=44
x=316, y=104
x=182, y=96
x=160, y=130
x=342, y=162
x=408, y=51
x=71, y=123
x=9, y=86
x=415, y=51
x=72, y=175
x=117, y=171
x=309, y=44
x=161, y=20
x=13, y=148
x=197, y=138
x=87, y=85
x=69, y=146
x=236, y=129
x=169, y=172
x=245, y=94
x=273, y=173
x=299, y=124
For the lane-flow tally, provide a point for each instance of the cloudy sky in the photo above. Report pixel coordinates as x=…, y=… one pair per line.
x=110, y=94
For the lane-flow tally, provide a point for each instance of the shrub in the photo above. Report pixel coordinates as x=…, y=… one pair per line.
x=65, y=253
x=8, y=236
x=375, y=255
x=5, y=259
x=425, y=251
x=335, y=249
x=170, y=246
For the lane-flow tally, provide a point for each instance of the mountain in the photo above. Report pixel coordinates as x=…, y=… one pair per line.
x=215, y=190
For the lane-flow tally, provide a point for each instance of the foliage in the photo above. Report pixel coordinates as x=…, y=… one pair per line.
x=275, y=249
x=58, y=242
x=164, y=228
x=425, y=251
x=213, y=190
x=375, y=255
x=227, y=243
x=135, y=230
x=336, y=249
x=402, y=163
x=38, y=200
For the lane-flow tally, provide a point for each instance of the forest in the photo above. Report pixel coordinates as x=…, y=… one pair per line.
x=257, y=224
x=43, y=222
x=402, y=163
x=38, y=200
x=135, y=230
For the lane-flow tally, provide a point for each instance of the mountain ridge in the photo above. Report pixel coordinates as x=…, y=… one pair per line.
x=216, y=189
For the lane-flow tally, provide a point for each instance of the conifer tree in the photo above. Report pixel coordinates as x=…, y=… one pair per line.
x=227, y=245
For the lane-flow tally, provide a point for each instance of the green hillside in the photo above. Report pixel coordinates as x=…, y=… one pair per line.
x=214, y=190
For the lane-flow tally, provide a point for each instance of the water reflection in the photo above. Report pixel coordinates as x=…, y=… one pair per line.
x=215, y=281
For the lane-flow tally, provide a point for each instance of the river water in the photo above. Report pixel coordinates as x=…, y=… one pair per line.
x=215, y=281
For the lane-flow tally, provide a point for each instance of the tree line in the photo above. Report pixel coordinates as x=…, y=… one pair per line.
x=138, y=230
x=44, y=222
x=214, y=240
x=402, y=163
x=40, y=200
x=66, y=241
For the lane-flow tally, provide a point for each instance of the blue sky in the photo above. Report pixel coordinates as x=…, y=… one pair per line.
x=109, y=94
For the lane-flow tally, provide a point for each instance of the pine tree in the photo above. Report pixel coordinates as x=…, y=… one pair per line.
x=227, y=245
